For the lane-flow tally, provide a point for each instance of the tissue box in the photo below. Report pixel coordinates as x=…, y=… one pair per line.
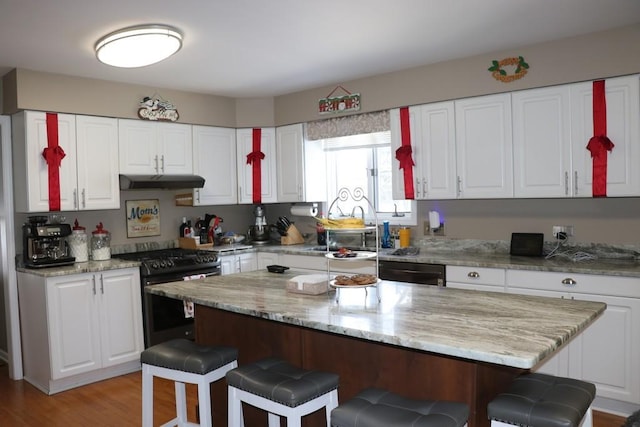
x=310, y=284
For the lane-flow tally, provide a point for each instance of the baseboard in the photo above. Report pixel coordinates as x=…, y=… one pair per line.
x=616, y=407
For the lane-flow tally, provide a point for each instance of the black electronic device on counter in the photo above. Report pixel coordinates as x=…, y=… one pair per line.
x=45, y=245
x=527, y=244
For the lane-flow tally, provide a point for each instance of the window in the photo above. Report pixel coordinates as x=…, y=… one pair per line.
x=364, y=161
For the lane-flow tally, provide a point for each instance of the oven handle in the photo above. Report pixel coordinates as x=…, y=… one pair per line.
x=158, y=280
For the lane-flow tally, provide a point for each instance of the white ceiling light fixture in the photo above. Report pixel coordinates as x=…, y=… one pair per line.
x=138, y=46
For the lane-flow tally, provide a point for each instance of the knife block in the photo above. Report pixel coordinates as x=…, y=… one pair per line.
x=293, y=237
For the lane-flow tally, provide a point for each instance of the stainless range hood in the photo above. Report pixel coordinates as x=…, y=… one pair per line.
x=167, y=182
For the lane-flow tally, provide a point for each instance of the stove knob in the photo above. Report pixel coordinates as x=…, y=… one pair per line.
x=163, y=264
x=170, y=263
x=154, y=264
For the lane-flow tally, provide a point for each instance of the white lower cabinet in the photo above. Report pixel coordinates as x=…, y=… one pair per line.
x=267, y=258
x=607, y=352
x=80, y=328
x=476, y=278
x=238, y=263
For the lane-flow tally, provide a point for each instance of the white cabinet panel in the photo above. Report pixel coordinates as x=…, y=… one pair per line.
x=541, y=142
x=149, y=148
x=484, y=147
x=244, y=138
x=432, y=128
x=238, y=263
x=88, y=171
x=290, y=163
x=214, y=158
x=476, y=278
x=623, y=128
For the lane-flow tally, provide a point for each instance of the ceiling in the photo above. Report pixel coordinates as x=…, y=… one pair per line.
x=260, y=48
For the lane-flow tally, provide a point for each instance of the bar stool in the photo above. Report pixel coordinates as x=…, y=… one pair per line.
x=543, y=400
x=281, y=389
x=184, y=361
x=375, y=407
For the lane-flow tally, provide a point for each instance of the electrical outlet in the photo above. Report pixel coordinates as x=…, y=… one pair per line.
x=429, y=232
x=562, y=232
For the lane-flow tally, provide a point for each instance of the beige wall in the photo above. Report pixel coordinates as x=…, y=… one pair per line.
x=597, y=55
x=65, y=94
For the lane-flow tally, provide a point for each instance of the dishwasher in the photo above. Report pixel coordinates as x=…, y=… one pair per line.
x=413, y=272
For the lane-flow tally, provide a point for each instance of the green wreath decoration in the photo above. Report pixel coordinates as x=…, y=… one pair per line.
x=499, y=73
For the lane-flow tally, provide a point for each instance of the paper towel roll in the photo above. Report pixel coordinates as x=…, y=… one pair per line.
x=304, y=210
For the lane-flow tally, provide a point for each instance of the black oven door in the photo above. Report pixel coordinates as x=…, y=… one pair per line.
x=165, y=318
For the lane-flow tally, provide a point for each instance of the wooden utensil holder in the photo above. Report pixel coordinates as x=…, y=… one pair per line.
x=293, y=237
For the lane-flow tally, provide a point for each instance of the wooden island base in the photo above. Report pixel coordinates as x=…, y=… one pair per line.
x=360, y=364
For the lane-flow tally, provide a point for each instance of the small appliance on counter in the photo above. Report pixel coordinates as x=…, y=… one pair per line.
x=260, y=232
x=45, y=244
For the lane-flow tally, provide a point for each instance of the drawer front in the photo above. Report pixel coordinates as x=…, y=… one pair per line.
x=479, y=275
x=572, y=282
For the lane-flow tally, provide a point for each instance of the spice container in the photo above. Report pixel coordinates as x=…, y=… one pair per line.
x=79, y=243
x=100, y=244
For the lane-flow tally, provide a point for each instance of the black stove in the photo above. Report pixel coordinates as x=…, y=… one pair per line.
x=173, y=261
x=166, y=318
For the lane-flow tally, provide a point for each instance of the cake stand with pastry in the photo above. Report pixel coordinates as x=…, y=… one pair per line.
x=351, y=225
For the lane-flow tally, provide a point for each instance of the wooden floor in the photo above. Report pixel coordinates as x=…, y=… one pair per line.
x=114, y=402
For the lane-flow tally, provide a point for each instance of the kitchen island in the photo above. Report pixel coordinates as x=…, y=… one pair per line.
x=419, y=341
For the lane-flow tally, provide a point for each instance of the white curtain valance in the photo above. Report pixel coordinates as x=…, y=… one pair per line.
x=349, y=125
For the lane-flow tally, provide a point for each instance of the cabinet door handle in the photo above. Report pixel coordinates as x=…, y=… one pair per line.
x=93, y=281
x=424, y=187
x=575, y=183
x=84, y=198
x=162, y=162
x=198, y=195
x=569, y=281
x=459, y=186
x=155, y=159
x=418, y=187
x=473, y=274
x=101, y=284
x=75, y=199
x=566, y=183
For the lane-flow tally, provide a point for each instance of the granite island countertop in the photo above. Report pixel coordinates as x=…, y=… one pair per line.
x=505, y=329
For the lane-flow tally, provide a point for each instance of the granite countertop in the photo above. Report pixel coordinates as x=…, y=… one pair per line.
x=79, y=267
x=506, y=329
x=600, y=265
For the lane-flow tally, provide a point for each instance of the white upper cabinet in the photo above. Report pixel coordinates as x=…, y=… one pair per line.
x=150, y=148
x=290, y=161
x=542, y=142
x=623, y=128
x=484, y=147
x=432, y=128
x=88, y=172
x=97, y=149
x=244, y=139
x=214, y=158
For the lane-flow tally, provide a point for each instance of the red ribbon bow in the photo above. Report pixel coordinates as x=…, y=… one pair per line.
x=599, y=144
x=53, y=156
x=254, y=156
x=403, y=155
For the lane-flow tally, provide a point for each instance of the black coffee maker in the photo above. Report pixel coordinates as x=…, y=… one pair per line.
x=45, y=245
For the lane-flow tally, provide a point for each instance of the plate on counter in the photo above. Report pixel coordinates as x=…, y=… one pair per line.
x=351, y=255
x=332, y=283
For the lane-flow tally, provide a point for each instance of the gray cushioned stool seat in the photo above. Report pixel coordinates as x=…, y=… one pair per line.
x=540, y=400
x=281, y=382
x=380, y=408
x=184, y=355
